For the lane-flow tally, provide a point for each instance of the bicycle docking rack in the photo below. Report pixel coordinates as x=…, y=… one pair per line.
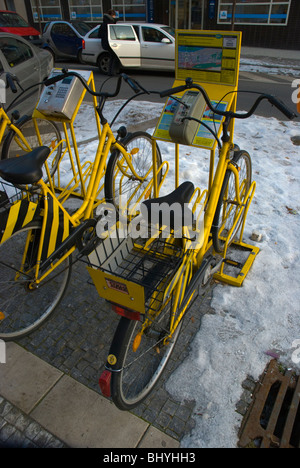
x=235, y=267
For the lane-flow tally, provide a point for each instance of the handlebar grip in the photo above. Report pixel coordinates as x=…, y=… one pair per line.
x=10, y=83
x=282, y=107
x=169, y=92
x=54, y=79
x=131, y=83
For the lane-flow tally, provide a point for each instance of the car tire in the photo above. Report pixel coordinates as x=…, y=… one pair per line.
x=79, y=56
x=103, y=63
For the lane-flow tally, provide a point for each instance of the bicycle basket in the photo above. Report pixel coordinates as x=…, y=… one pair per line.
x=8, y=194
x=134, y=273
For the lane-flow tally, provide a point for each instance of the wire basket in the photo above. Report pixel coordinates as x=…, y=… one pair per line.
x=9, y=194
x=134, y=273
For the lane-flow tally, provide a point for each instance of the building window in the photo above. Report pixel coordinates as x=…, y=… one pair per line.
x=46, y=10
x=130, y=10
x=272, y=12
x=86, y=10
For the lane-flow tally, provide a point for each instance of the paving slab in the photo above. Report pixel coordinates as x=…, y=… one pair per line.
x=84, y=419
x=25, y=378
x=154, y=438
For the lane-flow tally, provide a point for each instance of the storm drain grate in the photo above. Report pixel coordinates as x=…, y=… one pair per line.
x=273, y=419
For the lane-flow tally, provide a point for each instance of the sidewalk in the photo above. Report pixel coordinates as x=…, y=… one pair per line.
x=258, y=52
x=41, y=406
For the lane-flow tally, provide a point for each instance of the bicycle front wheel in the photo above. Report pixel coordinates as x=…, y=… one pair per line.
x=140, y=370
x=122, y=189
x=23, y=308
x=37, y=132
x=227, y=208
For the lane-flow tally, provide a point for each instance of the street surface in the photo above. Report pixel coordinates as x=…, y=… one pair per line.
x=278, y=85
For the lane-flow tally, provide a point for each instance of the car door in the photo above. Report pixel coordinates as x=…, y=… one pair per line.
x=157, y=49
x=124, y=42
x=65, y=39
x=18, y=58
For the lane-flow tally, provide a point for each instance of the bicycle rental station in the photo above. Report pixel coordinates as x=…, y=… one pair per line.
x=211, y=59
x=149, y=267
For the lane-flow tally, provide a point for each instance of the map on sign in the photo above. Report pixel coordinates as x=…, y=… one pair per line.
x=208, y=56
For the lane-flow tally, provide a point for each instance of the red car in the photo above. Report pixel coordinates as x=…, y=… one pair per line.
x=13, y=23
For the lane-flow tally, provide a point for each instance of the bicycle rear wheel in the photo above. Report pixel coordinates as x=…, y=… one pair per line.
x=121, y=188
x=227, y=209
x=140, y=370
x=22, y=308
x=48, y=135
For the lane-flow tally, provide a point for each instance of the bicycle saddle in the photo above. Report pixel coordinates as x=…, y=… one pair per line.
x=25, y=169
x=176, y=214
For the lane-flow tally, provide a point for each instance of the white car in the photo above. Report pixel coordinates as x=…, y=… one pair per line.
x=138, y=45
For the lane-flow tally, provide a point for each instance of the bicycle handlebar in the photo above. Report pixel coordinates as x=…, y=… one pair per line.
x=272, y=99
x=132, y=83
x=189, y=84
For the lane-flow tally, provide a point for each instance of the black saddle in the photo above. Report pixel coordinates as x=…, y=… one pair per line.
x=176, y=213
x=25, y=169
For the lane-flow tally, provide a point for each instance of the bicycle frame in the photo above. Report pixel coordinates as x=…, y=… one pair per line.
x=56, y=217
x=6, y=122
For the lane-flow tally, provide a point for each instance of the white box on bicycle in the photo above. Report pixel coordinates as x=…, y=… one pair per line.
x=191, y=106
x=61, y=98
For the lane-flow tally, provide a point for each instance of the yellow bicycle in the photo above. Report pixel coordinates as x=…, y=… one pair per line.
x=168, y=256
x=37, y=233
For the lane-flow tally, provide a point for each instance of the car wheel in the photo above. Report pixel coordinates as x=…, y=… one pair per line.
x=103, y=63
x=79, y=56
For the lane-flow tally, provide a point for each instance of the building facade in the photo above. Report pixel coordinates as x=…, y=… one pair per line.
x=264, y=23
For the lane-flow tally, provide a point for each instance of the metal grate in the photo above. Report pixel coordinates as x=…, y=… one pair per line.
x=273, y=419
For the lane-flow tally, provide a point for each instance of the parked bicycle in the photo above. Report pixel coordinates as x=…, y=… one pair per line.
x=38, y=235
x=152, y=279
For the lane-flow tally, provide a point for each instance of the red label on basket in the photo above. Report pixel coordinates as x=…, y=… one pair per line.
x=121, y=287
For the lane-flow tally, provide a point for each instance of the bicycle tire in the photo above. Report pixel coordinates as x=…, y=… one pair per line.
x=139, y=372
x=114, y=183
x=23, y=310
x=226, y=213
x=50, y=136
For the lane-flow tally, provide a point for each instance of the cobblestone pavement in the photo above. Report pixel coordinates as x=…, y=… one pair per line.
x=76, y=340
x=18, y=430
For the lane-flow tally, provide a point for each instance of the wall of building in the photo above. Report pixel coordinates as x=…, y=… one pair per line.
x=275, y=37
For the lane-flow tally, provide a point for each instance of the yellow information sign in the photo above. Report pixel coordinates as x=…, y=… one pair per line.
x=208, y=56
x=211, y=59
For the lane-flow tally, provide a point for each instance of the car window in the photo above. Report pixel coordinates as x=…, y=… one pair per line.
x=169, y=30
x=12, y=19
x=64, y=29
x=137, y=30
x=15, y=51
x=94, y=34
x=152, y=34
x=124, y=33
x=82, y=28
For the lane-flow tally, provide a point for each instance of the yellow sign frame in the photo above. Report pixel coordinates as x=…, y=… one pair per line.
x=218, y=75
